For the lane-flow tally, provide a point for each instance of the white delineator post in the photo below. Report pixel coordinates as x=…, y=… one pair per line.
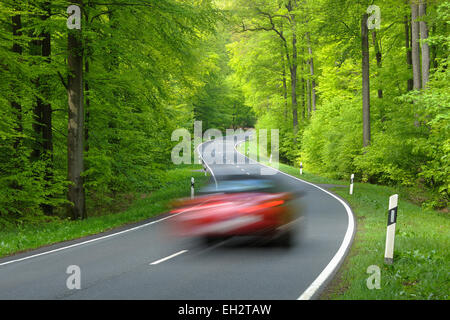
x=351, y=183
x=390, y=234
x=301, y=168
x=192, y=187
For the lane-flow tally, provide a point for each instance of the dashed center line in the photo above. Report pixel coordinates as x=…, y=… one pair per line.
x=169, y=257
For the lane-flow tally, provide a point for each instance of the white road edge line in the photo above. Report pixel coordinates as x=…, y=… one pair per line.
x=340, y=254
x=88, y=241
x=201, y=157
x=169, y=257
x=104, y=237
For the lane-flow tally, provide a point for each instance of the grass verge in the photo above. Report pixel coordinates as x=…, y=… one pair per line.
x=421, y=268
x=177, y=184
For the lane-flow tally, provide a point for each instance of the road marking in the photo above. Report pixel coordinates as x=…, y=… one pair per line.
x=110, y=235
x=169, y=257
x=93, y=240
x=201, y=157
x=338, y=258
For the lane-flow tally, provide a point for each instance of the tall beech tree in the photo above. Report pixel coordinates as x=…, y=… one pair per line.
x=415, y=45
x=75, y=134
x=365, y=79
x=378, y=57
x=312, y=93
x=42, y=125
x=17, y=48
x=273, y=18
x=424, y=45
x=407, y=17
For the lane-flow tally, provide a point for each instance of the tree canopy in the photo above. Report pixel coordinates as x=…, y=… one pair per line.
x=87, y=114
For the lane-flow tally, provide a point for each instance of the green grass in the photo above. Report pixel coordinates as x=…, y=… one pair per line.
x=29, y=237
x=421, y=268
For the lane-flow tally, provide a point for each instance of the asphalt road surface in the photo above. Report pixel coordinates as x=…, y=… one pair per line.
x=144, y=262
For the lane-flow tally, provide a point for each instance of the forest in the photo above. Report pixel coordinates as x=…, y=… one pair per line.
x=354, y=86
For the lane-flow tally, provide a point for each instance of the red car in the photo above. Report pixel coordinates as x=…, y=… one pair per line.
x=238, y=206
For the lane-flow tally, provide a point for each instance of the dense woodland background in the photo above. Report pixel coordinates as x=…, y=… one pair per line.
x=87, y=115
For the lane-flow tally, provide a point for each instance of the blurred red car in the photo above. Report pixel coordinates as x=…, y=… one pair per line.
x=239, y=206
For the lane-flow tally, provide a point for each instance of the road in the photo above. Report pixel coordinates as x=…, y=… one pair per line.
x=143, y=262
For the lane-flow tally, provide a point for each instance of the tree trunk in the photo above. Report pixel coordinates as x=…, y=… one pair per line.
x=302, y=77
x=308, y=96
x=47, y=133
x=17, y=48
x=86, y=94
x=378, y=57
x=365, y=80
x=75, y=136
x=408, y=51
x=425, y=48
x=415, y=54
x=433, y=49
x=293, y=69
x=303, y=98
x=87, y=108
x=36, y=50
x=294, y=82
x=285, y=90
x=311, y=68
x=47, y=127
x=294, y=97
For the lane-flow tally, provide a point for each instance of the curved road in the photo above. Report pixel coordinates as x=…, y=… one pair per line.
x=143, y=262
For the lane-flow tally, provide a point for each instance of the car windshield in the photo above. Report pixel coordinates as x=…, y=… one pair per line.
x=234, y=186
x=240, y=183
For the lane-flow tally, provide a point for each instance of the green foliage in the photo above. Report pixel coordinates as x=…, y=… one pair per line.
x=176, y=183
x=220, y=103
x=145, y=66
x=155, y=66
x=434, y=145
x=27, y=190
x=409, y=131
x=333, y=140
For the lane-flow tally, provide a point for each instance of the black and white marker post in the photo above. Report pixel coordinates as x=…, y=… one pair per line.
x=301, y=168
x=192, y=187
x=351, y=183
x=390, y=234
